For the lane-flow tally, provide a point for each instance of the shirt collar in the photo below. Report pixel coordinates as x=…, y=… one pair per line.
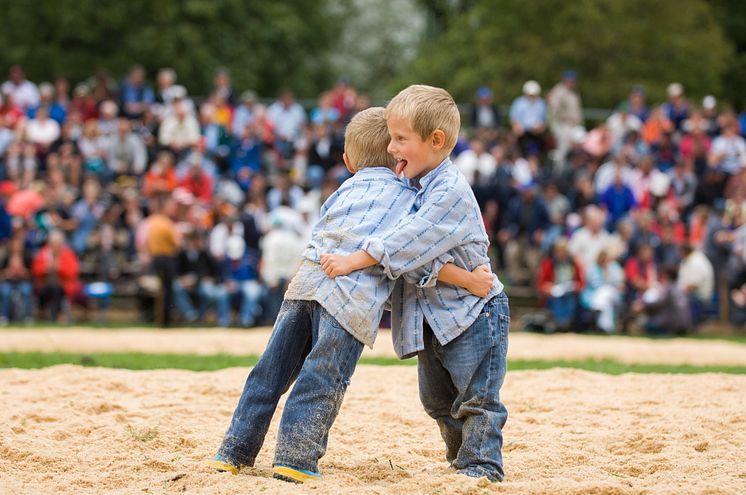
x=431, y=175
x=375, y=173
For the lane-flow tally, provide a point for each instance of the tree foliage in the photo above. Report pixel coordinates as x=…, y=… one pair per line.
x=731, y=15
x=266, y=45
x=613, y=44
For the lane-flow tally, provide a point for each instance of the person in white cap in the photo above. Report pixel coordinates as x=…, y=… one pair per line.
x=567, y=113
x=528, y=118
x=710, y=113
x=677, y=108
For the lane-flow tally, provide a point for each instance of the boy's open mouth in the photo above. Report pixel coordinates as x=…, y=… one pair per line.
x=400, y=166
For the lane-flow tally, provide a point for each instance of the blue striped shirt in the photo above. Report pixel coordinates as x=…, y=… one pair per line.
x=447, y=222
x=370, y=203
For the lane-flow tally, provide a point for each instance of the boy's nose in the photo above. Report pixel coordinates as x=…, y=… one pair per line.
x=390, y=147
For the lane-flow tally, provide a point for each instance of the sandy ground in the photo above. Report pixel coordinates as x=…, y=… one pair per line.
x=74, y=430
x=522, y=345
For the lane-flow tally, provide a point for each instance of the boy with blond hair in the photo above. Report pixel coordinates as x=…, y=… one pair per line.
x=462, y=345
x=324, y=323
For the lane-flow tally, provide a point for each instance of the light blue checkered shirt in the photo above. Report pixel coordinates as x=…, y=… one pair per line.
x=370, y=203
x=447, y=223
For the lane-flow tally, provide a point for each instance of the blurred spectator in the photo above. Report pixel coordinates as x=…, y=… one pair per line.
x=528, y=117
x=588, y=241
x=199, y=279
x=526, y=220
x=324, y=154
x=56, y=270
x=86, y=214
x=697, y=279
x=240, y=267
x=215, y=136
x=637, y=105
x=135, y=94
x=476, y=164
x=24, y=93
x=560, y=281
x=284, y=193
x=244, y=113
x=621, y=123
x=282, y=248
x=603, y=292
x=677, y=108
x=566, y=109
x=325, y=113
x=16, y=296
x=126, y=152
x=84, y=102
x=485, y=116
x=179, y=131
x=728, y=152
x=695, y=144
x=197, y=181
x=618, y=200
x=667, y=307
x=640, y=273
x=161, y=178
x=162, y=242
x=222, y=87
x=288, y=119
x=42, y=131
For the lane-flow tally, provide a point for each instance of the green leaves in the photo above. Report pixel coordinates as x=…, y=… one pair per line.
x=613, y=44
x=266, y=45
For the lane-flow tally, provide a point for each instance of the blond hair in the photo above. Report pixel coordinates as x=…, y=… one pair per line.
x=366, y=140
x=428, y=108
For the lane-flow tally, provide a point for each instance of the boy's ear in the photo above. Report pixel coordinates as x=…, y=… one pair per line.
x=438, y=139
x=349, y=166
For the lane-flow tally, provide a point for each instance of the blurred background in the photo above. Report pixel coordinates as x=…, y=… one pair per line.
x=164, y=162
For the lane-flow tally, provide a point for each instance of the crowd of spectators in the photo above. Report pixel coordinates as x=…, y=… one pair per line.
x=186, y=205
x=637, y=220
x=198, y=208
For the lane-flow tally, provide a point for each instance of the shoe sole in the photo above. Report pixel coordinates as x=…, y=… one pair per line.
x=292, y=475
x=222, y=466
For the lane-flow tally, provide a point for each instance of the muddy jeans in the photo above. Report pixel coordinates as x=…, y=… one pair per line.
x=460, y=388
x=307, y=343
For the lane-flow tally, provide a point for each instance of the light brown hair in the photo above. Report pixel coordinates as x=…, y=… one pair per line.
x=366, y=140
x=428, y=108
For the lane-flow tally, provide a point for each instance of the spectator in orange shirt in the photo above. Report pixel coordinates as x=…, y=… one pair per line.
x=161, y=177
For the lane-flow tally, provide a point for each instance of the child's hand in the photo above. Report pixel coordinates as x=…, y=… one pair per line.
x=482, y=280
x=335, y=265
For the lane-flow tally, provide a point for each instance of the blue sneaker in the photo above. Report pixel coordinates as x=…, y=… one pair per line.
x=223, y=464
x=294, y=475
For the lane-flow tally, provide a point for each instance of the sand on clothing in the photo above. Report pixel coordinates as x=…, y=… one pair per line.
x=73, y=430
x=242, y=342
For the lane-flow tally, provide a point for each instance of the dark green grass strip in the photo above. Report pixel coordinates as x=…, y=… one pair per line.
x=142, y=361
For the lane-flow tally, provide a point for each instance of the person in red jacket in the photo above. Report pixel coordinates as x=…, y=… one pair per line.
x=55, y=269
x=197, y=182
x=559, y=281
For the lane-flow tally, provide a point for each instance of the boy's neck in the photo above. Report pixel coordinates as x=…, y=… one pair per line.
x=432, y=167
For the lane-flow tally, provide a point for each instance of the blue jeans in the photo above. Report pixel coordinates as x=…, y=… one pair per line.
x=460, y=388
x=210, y=294
x=22, y=289
x=251, y=294
x=563, y=309
x=307, y=343
x=183, y=301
